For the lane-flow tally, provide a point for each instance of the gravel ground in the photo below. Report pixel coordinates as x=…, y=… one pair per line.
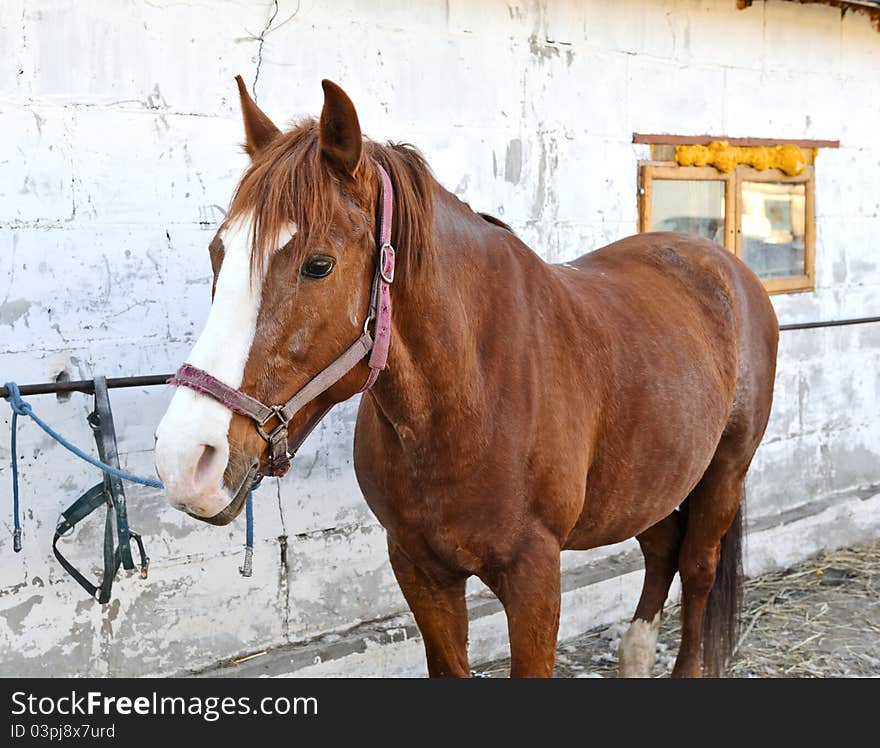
x=820, y=619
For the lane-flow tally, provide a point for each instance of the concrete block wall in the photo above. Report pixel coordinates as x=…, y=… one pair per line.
x=120, y=151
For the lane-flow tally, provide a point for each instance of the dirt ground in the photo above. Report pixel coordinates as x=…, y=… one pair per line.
x=820, y=619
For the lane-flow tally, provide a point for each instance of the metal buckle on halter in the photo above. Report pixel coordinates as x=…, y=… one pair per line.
x=282, y=424
x=383, y=253
x=370, y=318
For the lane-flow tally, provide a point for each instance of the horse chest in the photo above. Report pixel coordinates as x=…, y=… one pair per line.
x=434, y=521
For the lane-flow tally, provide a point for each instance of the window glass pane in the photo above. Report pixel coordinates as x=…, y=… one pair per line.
x=773, y=236
x=692, y=205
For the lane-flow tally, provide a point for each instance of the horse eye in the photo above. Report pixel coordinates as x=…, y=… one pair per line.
x=319, y=266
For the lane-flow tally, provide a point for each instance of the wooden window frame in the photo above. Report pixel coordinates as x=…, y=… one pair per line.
x=792, y=283
x=651, y=170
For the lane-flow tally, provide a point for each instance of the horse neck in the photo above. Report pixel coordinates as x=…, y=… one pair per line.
x=434, y=348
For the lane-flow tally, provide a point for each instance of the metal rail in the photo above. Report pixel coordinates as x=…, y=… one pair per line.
x=88, y=385
x=829, y=323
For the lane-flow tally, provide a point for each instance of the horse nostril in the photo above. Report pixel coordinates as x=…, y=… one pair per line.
x=206, y=470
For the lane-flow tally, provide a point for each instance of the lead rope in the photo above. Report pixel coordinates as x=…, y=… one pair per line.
x=247, y=568
x=22, y=408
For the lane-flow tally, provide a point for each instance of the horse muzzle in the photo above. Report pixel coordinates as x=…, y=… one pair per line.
x=250, y=481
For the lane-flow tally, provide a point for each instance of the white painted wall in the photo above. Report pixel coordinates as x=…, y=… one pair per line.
x=119, y=147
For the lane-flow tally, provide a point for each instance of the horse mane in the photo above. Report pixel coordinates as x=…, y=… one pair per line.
x=495, y=222
x=412, y=227
x=291, y=181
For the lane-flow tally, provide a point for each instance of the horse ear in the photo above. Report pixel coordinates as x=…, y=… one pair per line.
x=340, y=130
x=259, y=130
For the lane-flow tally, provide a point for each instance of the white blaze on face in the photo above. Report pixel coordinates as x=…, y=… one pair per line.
x=192, y=448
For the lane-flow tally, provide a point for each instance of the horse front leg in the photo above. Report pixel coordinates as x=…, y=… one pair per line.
x=529, y=590
x=438, y=604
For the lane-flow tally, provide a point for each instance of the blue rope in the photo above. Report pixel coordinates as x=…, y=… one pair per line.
x=249, y=518
x=247, y=568
x=22, y=408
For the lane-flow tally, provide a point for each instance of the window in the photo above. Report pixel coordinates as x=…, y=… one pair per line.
x=775, y=228
x=765, y=216
x=697, y=199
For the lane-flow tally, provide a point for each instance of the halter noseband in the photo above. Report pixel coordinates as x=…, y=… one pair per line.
x=271, y=420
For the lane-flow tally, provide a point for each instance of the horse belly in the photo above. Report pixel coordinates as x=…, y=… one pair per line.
x=603, y=522
x=636, y=480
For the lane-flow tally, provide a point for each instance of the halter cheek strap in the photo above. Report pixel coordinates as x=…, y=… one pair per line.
x=271, y=420
x=380, y=298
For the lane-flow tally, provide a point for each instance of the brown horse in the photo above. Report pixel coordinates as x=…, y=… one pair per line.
x=525, y=408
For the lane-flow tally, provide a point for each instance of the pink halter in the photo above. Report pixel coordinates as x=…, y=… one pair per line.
x=379, y=315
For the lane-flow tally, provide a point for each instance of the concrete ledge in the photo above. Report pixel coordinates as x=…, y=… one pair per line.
x=593, y=595
x=782, y=541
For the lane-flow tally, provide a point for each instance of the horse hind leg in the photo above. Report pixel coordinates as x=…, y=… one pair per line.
x=660, y=545
x=710, y=565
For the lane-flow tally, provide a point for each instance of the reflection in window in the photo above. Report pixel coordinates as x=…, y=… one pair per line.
x=773, y=228
x=695, y=206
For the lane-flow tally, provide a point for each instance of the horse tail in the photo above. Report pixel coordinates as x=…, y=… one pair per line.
x=721, y=621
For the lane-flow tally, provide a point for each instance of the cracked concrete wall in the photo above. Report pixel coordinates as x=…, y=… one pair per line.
x=120, y=151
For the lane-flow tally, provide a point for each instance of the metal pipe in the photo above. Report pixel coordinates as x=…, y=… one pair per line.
x=829, y=323
x=88, y=385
